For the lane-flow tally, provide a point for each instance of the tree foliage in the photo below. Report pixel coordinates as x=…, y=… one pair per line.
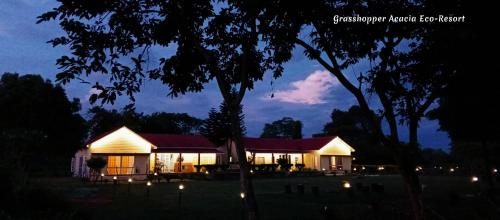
x=217, y=127
x=353, y=127
x=225, y=41
x=39, y=127
x=103, y=120
x=283, y=128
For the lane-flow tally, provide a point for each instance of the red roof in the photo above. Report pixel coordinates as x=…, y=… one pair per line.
x=276, y=145
x=180, y=143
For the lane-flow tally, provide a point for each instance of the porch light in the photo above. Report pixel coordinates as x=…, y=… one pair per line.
x=242, y=195
x=347, y=185
x=181, y=187
x=102, y=174
x=129, y=180
x=148, y=183
x=474, y=179
x=115, y=178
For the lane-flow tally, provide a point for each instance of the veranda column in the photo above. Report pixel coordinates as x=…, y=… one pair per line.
x=199, y=168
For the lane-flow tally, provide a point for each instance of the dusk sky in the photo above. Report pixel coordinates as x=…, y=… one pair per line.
x=306, y=91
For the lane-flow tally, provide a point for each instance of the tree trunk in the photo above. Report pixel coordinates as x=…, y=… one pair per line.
x=413, y=187
x=408, y=165
x=246, y=185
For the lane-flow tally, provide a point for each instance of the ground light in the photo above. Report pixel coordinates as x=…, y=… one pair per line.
x=346, y=185
x=181, y=188
x=474, y=179
x=148, y=185
x=115, y=182
x=129, y=183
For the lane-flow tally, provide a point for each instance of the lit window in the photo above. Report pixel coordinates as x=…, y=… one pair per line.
x=120, y=165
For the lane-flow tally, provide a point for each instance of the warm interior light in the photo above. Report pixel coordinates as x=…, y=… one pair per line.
x=149, y=183
x=181, y=187
x=242, y=195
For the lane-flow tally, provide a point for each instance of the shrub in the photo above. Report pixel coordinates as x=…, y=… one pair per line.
x=283, y=163
x=96, y=164
x=300, y=166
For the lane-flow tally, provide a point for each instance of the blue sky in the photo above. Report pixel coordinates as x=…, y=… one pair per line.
x=305, y=92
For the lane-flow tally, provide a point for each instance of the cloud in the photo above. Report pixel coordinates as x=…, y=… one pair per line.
x=310, y=91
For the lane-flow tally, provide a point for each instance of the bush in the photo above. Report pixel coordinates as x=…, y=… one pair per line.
x=283, y=163
x=96, y=164
x=300, y=166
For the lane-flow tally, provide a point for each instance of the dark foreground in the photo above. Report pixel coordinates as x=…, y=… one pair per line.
x=446, y=197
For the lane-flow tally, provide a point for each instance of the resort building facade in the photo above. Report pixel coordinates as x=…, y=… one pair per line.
x=129, y=153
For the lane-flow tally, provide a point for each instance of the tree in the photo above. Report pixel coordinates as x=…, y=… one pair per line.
x=103, y=120
x=353, y=127
x=283, y=128
x=172, y=123
x=96, y=164
x=225, y=41
x=217, y=127
x=399, y=74
x=435, y=157
x=471, y=117
x=40, y=129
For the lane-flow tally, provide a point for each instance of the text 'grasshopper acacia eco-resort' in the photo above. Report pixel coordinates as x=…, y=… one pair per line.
x=128, y=153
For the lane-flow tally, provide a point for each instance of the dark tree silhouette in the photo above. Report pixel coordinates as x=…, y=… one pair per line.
x=353, y=127
x=399, y=75
x=466, y=111
x=217, y=127
x=103, y=120
x=225, y=41
x=40, y=129
x=283, y=128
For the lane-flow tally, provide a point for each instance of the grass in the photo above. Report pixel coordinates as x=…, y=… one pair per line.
x=446, y=197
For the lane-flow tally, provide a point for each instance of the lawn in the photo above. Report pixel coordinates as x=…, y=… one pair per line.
x=446, y=197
